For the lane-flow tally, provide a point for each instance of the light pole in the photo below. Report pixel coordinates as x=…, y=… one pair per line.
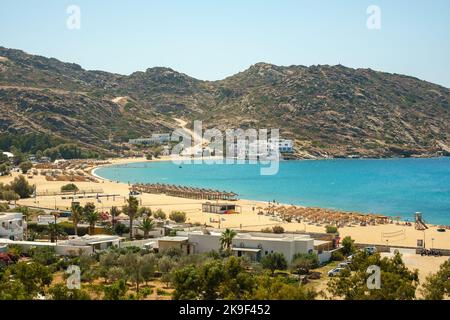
x=432, y=243
x=424, y=240
x=56, y=229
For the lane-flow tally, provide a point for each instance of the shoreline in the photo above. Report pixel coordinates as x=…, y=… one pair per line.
x=116, y=193
x=125, y=161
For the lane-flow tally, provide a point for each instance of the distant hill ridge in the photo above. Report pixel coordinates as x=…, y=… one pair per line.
x=330, y=111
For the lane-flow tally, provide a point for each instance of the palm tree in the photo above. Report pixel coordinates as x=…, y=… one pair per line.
x=147, y=226
x=92, y=217
x=114, y=213
x=227, y=238
x=77, y=214
x=131, y=210
x=54, y=230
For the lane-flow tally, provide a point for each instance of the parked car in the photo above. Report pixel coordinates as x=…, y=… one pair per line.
x=335, y=272
x=344, y=264
x=430, y=252
x=370, y=250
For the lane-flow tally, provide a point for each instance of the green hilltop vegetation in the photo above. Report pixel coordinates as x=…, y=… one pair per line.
x=328, y=110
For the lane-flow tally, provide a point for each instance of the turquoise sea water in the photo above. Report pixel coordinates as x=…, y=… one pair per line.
x=396, y=187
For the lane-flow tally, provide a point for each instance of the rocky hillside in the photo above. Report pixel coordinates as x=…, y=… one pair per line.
x=329, y=110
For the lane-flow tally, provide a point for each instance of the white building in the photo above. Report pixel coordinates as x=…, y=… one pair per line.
x=284, y=145
x=45, y=219
x=12, y=225
x=259, y=148
x=155, y=233
x=156, y=138
x=9, y=155
x=166, y=151
x=257, y=245
x=85, y=245
x=97, y=242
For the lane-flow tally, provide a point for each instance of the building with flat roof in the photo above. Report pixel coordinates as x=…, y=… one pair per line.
x=177, y=242
x=12, y=225
x=97, y=242
x=284, y=145
x=257, y=245
x=156, y=138
x=73, y=246
x=9, y=155
x=220, y=208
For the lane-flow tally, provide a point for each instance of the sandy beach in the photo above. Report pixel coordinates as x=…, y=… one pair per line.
x=247, y=220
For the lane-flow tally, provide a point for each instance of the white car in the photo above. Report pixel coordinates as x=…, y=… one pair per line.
x=343, y=265
x=335, y=271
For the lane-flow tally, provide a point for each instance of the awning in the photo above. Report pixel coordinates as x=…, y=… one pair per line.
x=246, y=250
x=99, y=242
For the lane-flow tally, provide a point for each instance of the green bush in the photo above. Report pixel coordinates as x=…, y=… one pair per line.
x=44, y=255
x=348, y=246
x=303, y=262
x=21, y=186
x=9, y=195
x=69, y=187
x=178, y=216
x=25, y=166
x=331, y=229
x=162, y=292
x=67, y=227
x=278, y=229
x=120, y=229
x=145, y=292
x=159, y=214
x=337, y=256
x=274, y=261
x=33, y=226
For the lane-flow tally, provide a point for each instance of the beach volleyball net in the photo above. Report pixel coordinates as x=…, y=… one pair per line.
x=395, y=235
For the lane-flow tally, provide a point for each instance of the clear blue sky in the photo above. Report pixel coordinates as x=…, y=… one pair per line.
x=213, y=39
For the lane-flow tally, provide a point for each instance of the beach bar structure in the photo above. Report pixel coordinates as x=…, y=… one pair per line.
x=184, y=192
x=221, y=208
